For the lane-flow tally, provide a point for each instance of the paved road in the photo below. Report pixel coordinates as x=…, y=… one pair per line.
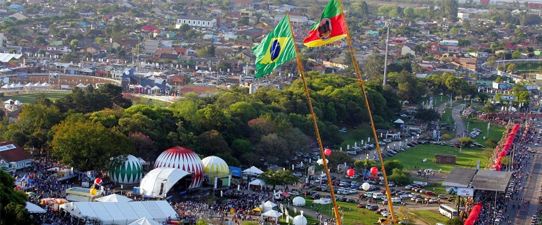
x=459, y=125
x=531, y=192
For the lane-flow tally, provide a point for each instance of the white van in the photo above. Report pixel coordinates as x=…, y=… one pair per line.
x=378, y=196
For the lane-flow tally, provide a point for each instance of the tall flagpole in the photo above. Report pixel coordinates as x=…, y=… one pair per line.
x=300, y=68
x=361, y=83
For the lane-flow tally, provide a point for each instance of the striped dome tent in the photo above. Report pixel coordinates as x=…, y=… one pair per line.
x=184, y=159
x=128, y=171
x=215, y=167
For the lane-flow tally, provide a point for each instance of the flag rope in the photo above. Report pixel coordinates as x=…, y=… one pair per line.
x=300, y=68
x=361, y=83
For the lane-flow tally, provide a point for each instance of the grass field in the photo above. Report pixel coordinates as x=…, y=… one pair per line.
x=467, y=158
x=430, y=217
x=352, y=214
x=494, y=131
x=31, y=97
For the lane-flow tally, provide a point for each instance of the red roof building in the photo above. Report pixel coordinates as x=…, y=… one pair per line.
x=149, y=28
x=11, y=153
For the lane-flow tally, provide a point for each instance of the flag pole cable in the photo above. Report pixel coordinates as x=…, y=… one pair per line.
x=361, y=83
x=324, y=160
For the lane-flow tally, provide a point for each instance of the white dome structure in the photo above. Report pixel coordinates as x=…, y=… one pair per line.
x=129, y=171
x=158, y=182
x=298, y=201
x=215, y=167
x=184, y=159
x=300, y=220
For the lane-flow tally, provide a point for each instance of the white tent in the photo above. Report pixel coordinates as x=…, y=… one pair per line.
x=257, y=182
x=267, y=206
x=33, y=208
x=29, y=85
x=19, y=85
x=6, y=86
x=298, y=201
x=114, y=198
x=38, y=84
x=121, y=212
x=144, y=221
x=161, y=180
x=80, y=85
x=323, y=201
x=45, y=85
x=252, y=171
x=273, y=214
x=400, y=121
x=155, y=88
x=17, y=102
x=8, y=101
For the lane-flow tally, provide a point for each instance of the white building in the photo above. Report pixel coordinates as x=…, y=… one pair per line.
x=196, y=22
x=296, y=20
x=463, y=16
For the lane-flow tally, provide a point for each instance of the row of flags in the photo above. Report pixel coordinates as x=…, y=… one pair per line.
x=278, y=47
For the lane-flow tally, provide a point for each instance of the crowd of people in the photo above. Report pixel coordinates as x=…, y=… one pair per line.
x=505, y=207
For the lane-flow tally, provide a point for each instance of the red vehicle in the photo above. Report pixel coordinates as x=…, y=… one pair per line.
x=430, y=193
x=361, y=205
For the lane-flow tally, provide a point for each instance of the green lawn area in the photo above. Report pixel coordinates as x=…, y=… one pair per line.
x=31, y=97
x=495, y=132
x=356, y=135
x=430, y=217
x=467, y=158
x=352, y=214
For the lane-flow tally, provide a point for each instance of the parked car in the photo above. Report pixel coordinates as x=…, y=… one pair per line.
x=361, y=205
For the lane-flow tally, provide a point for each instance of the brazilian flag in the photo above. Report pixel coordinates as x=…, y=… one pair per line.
x=275, y=49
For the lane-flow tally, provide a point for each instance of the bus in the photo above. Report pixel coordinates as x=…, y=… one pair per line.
x=448, y=211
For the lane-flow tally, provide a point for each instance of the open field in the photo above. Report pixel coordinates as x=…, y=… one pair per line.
x=467, y=158
x=352, y=214
x=31, y=97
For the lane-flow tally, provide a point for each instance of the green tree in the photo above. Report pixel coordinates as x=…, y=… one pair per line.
x=516, y=55
x=212, y=143
x=465, y=141
x=390, y=165
x=12, y=203
x=87, y=145
x=511, y=67
x=399, y=177
x=489, y=107
x=449, y=9
x=427, y=115
x=337, y=158
x=279, y=177
x=374, y=68
x=455, y=221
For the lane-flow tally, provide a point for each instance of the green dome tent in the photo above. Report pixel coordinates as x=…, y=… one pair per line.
x=126, y=170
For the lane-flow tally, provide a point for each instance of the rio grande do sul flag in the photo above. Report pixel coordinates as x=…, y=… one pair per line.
x=275, y=49
x=331, y=28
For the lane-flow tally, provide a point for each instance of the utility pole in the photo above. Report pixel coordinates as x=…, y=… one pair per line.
x=386, y=57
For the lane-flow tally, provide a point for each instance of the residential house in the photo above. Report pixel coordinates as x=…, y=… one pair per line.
x=151, y=46
x=198, y=22
x=449, y=43
x=405, y=50
x=240, y=4
x=14, y=155
x=16, y=8
x=297, y=21
x=252, y=33
x=399, y=40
